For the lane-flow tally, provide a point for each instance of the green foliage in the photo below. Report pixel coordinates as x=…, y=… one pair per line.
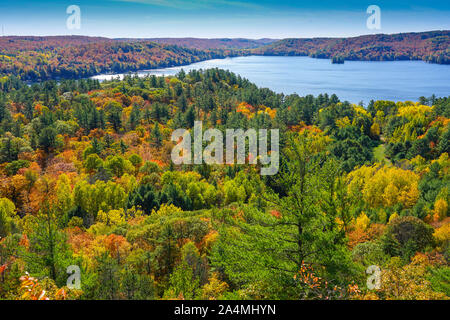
x=11, y=147
x=93, y=162
x=47, y=139
x=182, y=283
x=14, y=166
x=86, y=179
x=405, y=236
x=369, y=253
x=135, y=160
x=258, y=245
x=440, y=280
x=118, y=165
x=149, y=168
x=7, y=213
x=49, y=253
x=156, y=136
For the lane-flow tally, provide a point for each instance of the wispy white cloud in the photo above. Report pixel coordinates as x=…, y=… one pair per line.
x=195, y=4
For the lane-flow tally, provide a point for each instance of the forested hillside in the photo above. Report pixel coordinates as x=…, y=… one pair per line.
x=73, y=57
x=430, y=46
x=203, y=44
x=86, y=179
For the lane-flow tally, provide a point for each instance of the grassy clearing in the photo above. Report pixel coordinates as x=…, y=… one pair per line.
x=379, y=155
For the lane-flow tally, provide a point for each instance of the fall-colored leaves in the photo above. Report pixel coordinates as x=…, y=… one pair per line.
x=86, y=179
x=2, y=269
x=31, y=288
x=249, y=111
x=384, y=186
x=428, y=46
x=76, y=57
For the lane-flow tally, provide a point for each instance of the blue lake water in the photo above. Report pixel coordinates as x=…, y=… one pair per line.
x=353, y=81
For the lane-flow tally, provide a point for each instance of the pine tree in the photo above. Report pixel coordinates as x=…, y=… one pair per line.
x=156, y=136
x=48, y=252
x=190, y=117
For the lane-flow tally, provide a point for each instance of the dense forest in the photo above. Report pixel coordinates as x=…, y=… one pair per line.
x=73, y=57
x=43, y=58
x=204, y=44
x=86, y=180
x=430, y=46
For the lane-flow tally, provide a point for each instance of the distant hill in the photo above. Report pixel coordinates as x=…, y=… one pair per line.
x=203, y=44
x=68, y=57
x=432, y=46
x=10, y=44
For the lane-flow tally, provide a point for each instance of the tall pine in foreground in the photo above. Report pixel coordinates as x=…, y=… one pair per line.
x=265, y=250
x=49, y=253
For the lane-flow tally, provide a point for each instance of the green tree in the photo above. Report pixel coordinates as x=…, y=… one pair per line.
x=117, y=165
x=49, y=253
x=190, y=117
x=114, y=115
x=47, y=139
x=7, y=213
x=136, y=161
x=135, y=117
x=108, y=278
x=183, y=283
x=136, y=286
x=269, y=247
x=444, y=141
x=92, y=163
x=156, y=136
x=405, y=236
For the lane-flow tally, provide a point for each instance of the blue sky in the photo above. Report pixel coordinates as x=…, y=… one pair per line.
x=221, y=18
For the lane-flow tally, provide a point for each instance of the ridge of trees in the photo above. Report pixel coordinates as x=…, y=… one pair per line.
x=432, y=46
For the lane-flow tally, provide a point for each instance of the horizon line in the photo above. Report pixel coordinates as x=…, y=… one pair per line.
x=219, y=38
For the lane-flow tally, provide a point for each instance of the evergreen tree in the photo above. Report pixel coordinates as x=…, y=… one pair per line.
x=155, y=135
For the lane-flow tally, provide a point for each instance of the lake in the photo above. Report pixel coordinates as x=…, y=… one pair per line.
x=353, y=81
